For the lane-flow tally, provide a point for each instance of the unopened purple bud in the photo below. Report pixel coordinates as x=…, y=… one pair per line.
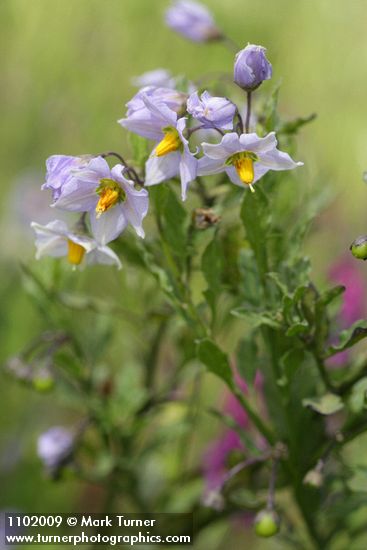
x=193, y=20
x=251, y=67
x=55, y=447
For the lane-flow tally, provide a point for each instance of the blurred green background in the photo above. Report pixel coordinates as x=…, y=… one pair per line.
x=65, y=71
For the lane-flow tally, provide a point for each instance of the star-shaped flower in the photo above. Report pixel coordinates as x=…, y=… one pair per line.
x=245, y=158
x=57, y=240
x=109, y=197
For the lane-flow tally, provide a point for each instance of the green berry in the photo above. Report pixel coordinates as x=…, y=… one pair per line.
x=43, y=384
x=359, y=248
x=266, y=523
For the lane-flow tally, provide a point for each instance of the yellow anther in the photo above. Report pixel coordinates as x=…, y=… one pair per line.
x=170, y=142
x=108, y=197
x=75, y=253
x=245, y=169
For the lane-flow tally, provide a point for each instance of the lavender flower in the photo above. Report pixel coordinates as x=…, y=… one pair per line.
x=55, y=239
x=60, y=169
x=245, y=158
x=212, y=112
x=155, y=78
x=148, y=122
x=109, y=196
x=55, y=447
x=193, y=20
x=251, y=67
x=172, y=156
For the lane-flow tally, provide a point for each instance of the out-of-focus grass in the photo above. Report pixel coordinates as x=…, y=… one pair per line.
x=65, y=72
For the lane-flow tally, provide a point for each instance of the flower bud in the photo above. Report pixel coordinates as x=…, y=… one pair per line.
x=251, y=67
x=359, y=248
x=55, y=448
x=193, y=20
x=313, y=478
x=204, y=217
x=266, y=523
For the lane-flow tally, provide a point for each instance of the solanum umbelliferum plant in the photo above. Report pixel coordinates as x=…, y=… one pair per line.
x=215, y=246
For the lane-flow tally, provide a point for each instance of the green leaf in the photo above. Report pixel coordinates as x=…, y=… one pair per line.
x=250, y=286
x=215, y=360
x=298, y=328
x=290, y=363
x=358, y=482
x=173, y=220
x=139, y=146
x=256, y=319
x=327, y=404
x=211, y=265
x=292, y=127
x=327, y=297
x=247, y=360
x=270, y=115
x=358, y=396
x=255, y=216
x=275, y=277
x=349, y=338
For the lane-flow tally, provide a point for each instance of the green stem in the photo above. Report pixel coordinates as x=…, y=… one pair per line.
x=257, y=421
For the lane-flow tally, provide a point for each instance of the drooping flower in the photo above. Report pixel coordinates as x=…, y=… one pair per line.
x=245, y=158
x=147, y=122
x=55, y=447
x=55, y=239
x=171, y=156
x=212, y=112
x=109, y=197
x=157, y=78
x=251, y=67
x=193, y=20
x=60, y=169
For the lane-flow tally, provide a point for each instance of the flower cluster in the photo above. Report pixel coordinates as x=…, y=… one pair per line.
x=109, y=199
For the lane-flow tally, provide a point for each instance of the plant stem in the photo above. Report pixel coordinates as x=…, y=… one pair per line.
x=248, y=112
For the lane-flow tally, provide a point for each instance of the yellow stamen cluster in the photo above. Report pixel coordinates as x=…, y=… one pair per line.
x=75, y=253
x=244, y=164
x=110, y=193
x=171, y=142
x=107, y=198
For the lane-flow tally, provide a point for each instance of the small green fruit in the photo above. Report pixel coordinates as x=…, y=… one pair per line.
x=43, y=384
x=359, y=248
x=266, y=523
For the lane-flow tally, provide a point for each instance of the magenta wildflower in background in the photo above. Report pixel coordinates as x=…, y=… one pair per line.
x=345, y=272
x=215, y=460
x=192, y=20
